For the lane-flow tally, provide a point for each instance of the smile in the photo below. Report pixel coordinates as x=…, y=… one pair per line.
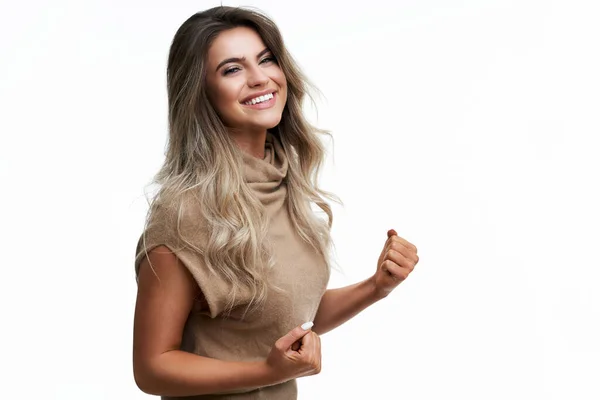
x=261, y=102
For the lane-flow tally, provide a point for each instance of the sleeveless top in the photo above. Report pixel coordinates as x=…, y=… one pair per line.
x=299, y=270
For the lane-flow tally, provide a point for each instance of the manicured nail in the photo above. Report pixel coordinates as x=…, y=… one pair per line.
x=307, y=325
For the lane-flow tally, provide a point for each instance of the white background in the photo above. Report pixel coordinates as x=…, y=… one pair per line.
x=471, y=127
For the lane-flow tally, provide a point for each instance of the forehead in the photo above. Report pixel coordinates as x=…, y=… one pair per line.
x=235, y=42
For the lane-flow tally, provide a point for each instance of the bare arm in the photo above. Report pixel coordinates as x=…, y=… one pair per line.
x=339, y=305
x=164, y=301
x=396, y=261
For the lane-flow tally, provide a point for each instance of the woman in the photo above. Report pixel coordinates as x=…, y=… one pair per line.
x=232, y=267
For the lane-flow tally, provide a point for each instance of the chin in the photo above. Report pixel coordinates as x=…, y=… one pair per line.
x=266, y=123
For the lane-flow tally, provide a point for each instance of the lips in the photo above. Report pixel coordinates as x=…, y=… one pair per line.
x=258, y=94
x=263, y=105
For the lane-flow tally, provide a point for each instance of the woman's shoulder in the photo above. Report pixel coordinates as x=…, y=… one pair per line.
x=177, y=222
x=181, y=211
x=179, y=226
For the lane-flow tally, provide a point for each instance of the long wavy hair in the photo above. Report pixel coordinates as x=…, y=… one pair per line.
x=203, y=163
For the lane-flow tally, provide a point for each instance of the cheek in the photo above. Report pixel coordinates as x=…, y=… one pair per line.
x=282, y=83
x=227, y=94
x=224, y=99
x=281, y=80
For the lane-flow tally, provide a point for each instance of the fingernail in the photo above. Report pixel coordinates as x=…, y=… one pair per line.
x=307, y=325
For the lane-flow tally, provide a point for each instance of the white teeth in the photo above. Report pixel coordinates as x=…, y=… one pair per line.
x=259, y=99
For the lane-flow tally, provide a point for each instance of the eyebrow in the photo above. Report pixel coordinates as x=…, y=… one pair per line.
x=240, y=59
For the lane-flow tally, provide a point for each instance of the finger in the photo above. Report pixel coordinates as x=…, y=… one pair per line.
x=400, y=259
x=308, y=343
x=318, y=351
x=390, y=236
x=405, y=243
x=399, y=247
x=294, y=335
x=310, y=351
x=393, y=237
x=301, y=342
x=318, y=347
x=395, y=270
x=404, y=250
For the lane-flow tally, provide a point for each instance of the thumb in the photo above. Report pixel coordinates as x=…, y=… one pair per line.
x=391, y=233
x=295, y=334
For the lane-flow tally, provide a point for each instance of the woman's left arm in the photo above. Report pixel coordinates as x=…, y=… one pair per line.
x=396, y=262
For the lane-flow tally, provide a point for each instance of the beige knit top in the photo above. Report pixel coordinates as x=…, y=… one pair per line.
x=299, y=270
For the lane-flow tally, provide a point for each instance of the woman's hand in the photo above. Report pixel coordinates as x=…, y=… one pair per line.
x=396, y=262
x=296, y=354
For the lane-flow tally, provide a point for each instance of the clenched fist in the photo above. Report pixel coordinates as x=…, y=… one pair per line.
x=296, y=354
x=396, y=262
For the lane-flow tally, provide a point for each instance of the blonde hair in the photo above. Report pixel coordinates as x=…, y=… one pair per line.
x=203, y=164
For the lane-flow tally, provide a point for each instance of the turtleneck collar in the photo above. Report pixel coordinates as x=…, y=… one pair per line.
x=272, y=168
x=266, y=175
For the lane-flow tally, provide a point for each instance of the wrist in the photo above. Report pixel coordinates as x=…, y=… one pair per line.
x=375, y=292
x=269, y=375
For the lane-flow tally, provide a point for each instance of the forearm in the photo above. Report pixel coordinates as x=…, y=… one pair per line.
x=339, y=305
x=179, y=373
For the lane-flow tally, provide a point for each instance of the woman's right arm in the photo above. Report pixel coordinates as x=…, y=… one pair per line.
x=165, y=297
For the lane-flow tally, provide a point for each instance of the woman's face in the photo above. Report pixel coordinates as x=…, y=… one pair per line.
x=240, y=69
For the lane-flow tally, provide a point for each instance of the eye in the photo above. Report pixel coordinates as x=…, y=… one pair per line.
x=268, y=59
x=230, y=70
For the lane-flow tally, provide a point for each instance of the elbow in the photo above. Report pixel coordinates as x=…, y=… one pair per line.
x=145, y=381
x=142, y=384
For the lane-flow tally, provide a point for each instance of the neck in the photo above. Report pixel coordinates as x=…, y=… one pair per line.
x=251, y=142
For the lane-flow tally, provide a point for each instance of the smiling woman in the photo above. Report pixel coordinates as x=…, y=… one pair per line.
x=239, y=86
x=233, y=264
x=219, y=313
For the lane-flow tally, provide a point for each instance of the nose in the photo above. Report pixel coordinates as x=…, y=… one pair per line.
x=257, y=77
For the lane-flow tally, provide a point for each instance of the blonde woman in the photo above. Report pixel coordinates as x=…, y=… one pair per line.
x=233, y=264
